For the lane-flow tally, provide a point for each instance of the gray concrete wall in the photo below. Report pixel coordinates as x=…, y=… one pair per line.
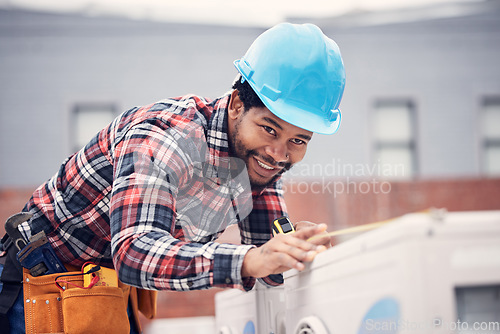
x=50, y=62
x=445, y=66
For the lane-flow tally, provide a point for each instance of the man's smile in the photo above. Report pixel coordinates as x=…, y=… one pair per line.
x=263, y=169
x=263, y=165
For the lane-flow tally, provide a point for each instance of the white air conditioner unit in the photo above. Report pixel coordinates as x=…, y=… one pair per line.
x=260, y=310
x=421, y=273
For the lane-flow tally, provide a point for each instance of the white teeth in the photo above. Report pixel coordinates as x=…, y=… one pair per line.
x=264, y=166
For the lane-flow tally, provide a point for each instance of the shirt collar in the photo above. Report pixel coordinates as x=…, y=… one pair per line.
x=217, y=140
x=217, y=131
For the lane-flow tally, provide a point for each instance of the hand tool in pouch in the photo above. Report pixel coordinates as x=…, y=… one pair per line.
x=37, y=255
x=11, y=225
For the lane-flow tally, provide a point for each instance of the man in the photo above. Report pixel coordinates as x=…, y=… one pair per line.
x=151, y=192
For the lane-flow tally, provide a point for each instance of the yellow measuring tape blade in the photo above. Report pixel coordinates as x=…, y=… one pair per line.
x=355, y=229
x=371, y=226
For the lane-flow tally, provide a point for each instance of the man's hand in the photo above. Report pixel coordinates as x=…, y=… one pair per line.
x=283, y=252
x=326, y=240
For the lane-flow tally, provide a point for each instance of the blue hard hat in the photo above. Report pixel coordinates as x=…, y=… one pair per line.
x=299, y=75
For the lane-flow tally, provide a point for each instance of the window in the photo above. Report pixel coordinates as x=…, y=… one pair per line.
x=490, y=127
x=88, y=119
x=478, y=305
x=394, y=138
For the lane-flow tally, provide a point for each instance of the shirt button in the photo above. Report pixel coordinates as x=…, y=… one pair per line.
x=229, y=280
x=189, y=284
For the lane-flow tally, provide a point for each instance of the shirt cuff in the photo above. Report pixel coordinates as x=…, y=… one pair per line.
x=228, y=260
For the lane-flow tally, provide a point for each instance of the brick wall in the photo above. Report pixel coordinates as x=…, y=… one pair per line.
x=362, y=203
x=346, y=205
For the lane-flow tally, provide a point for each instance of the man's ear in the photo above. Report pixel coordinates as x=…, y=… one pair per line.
x=236, y=107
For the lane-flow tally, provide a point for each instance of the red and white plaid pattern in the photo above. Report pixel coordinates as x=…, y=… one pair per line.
x=117, y=201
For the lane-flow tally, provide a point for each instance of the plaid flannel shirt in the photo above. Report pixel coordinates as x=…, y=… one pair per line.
x=115, y=201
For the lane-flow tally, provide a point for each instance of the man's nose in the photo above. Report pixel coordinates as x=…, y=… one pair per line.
x=278, y=151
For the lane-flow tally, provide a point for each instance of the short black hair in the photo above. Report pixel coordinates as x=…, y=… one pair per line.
x=247, y=94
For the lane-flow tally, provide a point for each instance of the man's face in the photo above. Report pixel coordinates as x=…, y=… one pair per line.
x=268, y=145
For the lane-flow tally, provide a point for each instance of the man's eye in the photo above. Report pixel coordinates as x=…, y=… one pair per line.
x=269, y=130
x=297, y=141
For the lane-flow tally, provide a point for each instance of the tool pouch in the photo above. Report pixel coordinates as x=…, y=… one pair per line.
x=47, y=309
x=101, y=309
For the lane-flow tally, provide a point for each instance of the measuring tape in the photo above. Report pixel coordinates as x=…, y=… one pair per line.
x=349, y=230
x=437, y=213
x=282, y=226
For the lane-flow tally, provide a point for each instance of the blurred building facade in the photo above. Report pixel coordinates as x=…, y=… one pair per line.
x=421, y=109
